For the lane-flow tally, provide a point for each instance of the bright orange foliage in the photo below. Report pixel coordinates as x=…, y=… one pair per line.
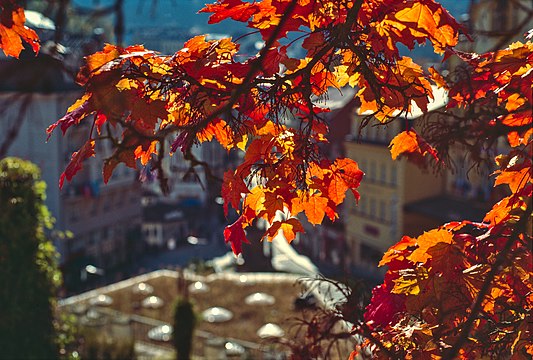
x=461, y=291
x=13, y=31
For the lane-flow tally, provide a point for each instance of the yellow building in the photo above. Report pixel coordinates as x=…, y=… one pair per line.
x=379, y=220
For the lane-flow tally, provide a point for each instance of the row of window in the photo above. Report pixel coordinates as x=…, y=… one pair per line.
x=372, y=208
x=98, y=206
x=95, y=237
x=380, y=171
x=376, y=209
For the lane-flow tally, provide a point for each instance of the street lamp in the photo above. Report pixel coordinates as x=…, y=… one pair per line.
x=90, y=269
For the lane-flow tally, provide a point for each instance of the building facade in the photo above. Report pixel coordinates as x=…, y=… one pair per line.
x=379, y=219
x=95, y=224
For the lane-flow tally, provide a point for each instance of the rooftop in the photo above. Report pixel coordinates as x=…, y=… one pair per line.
x=446, y=209
x=132, y=299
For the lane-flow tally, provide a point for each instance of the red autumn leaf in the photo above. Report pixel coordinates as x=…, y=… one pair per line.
x=235, y=235
x=76, y=161
x=234, y=9
x=233, y=187
x=75, y=114
x=313, y=43
x=384, y=306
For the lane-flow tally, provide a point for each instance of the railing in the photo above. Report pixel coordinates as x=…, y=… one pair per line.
x=204, y=343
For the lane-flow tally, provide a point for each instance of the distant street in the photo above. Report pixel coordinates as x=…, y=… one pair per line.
x=180, y=256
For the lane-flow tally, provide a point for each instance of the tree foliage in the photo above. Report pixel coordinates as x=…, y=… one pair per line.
x=462, y=290
x=28, y=265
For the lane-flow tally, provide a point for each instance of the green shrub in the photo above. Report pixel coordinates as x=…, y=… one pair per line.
x=29, y=276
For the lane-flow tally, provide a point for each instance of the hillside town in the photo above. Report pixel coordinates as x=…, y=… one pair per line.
x=127, y=249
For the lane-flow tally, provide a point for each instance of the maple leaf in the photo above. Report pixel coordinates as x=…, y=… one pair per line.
x=313, y=43
x=75, y=113
x=426, y=241
x=437, y=78
x=430, y=19
x=76, y=162
x=221, y=131
x=384, y=306
x=289, y=228
x=410, y=281
x=398, y=250
x=145, y=152
x=346, y=175
x=501, y=211
x=234, y=9
x=13, y=31
x=516, y=178
x=235, y=235
x=410, y=142
x=233, y=187
x=99, y=59
x=314, y=207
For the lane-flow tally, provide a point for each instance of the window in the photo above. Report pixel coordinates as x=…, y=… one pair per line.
x=393, y=214
x=394, y=174
x=363, y=205
x=372, y=211
x=105, y=232
x=383, y=173
x=372, y=174
x=382, y=215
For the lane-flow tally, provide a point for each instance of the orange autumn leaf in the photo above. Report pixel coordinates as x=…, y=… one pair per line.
x=315, y=208
x=233, y=187
x=146, y=153
x=408, y=142
x=289, y=228
x=431, y=21
x=396, y=250
x=437, y=78
x=501, y=211
x=514, y=102
x=516, y=139
x=426, y=241
x=346, y=175
x=221, y=131
x=99, y=59
x=13, y=31
x=515, y=179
